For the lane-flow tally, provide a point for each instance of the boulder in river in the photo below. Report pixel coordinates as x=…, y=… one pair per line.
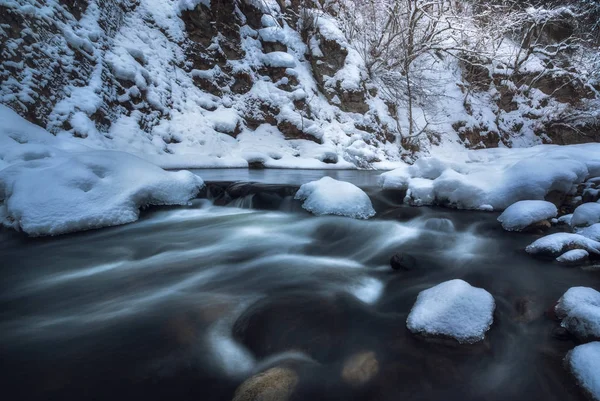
x=403, y=261
x=453, y=309
x=360, y=368
x=275, y=384
x=579, y=310
x=584, y=363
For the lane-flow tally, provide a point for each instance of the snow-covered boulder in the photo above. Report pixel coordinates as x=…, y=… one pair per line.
x=591, y=232
x=523, y=214
x=558, y=243
x=573, y=257
x=329, y=196
x=453, y=309
x=586, y=215
x=579, y=309
x=81, y=191
x=584, y=363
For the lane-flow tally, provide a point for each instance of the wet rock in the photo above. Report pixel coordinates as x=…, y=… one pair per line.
x=275, y=384
x=560, y=333
x=526, y=310
x=403, y=261
x=360, y=368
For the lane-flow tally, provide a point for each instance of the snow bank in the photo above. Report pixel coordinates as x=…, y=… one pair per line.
x=554, y=244
x=494, y=178
x=573, y=257
x=579, y=309
x=453, y=309
x=523, y=214
x=586, y=215
x=73, y=192
x=329, y=196
x=584, y=363
x=52, y=185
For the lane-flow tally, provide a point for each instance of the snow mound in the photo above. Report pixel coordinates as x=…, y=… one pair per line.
x=573, y=257
x=579, y=309
x=329, y=196
x=555, y=244
x=523, y=214
x=453, y=309
x=584, y=363
x=586, y=215
x=82, y=191
x=592, y=232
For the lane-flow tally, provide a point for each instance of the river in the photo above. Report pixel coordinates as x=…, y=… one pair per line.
x=188, y=302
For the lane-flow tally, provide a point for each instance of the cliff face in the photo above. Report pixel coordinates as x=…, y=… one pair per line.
x=251, y=82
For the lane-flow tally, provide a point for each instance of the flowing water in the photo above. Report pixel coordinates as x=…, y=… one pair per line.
x=188, y=302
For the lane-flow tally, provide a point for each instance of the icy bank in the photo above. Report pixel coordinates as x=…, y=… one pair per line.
x=493, y=179
x=51, y=186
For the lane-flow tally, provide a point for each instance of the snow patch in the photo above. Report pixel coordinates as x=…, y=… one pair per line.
x=584, y=363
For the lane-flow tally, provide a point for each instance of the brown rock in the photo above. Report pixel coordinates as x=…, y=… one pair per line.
x=360, y=368
x=275, y=384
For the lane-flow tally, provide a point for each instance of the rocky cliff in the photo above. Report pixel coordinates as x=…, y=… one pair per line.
x=254, y=83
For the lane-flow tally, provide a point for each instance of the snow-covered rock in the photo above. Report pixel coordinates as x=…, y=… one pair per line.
x=329, y=196
x=573, y=257
x=591, y=232
x=81, y=191
x=586, y=215
x=523, y=214
x=279, y=60
x=584, y=363
x=579, y=309
x=556, y=244
x=453, y=309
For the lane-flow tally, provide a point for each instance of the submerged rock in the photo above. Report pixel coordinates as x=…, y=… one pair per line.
x=275, y=384
x=403, y=261
x=360, y=368
x=453, y=309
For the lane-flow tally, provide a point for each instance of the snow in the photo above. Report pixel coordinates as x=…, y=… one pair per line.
x=584, y=363
x=494, y=178
x=575, y=256
x=330, y=196
x=279, y=60
x=522, y=214
x=53, y=185
x=559, y=242
x=592, y=232
x=586, y=215
x=579, y=309
x=453, y=309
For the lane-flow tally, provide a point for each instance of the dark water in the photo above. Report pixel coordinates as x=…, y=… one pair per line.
x=188, y=302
